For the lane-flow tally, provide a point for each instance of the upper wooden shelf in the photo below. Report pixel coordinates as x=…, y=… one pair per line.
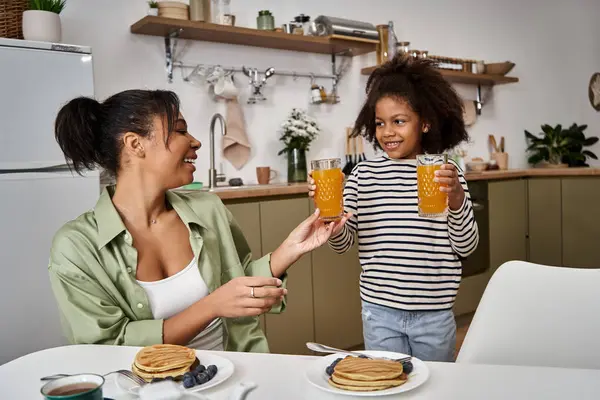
x=159, y=26
x=465, y=77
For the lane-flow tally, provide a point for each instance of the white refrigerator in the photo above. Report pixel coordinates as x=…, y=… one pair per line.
x=38, y=193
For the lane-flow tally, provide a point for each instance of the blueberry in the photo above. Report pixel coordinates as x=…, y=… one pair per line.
x=200, y=369
x=212, y=370
x=154, y=380
x=331, y=367
x=407, y=367
x=363, y=356
x=202, y=378
x=188, y=381
x=169, y=378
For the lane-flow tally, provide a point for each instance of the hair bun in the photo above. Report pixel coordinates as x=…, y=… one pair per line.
x=78, y=131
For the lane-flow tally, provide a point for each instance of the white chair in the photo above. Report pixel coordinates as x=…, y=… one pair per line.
x=537, y=315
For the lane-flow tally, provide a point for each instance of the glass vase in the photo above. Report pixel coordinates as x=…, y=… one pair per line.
x=297, y=171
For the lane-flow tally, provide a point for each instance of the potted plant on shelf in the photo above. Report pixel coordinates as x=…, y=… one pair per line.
x=558, y=147
x=41, y=22
x=153, y=8
x=297, y=133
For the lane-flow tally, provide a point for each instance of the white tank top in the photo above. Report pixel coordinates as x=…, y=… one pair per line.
x=174, y=294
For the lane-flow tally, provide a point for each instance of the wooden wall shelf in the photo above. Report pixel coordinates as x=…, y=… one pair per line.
x=465, y=77
x=158, y=26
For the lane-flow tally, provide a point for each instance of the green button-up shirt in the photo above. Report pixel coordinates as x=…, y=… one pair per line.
x=93, y=273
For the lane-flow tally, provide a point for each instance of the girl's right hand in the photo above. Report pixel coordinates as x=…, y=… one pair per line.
x=234, y=299
x=311, y=185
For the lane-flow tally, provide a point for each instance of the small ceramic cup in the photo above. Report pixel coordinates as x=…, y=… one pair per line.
x=74, y=387
x=225, y=87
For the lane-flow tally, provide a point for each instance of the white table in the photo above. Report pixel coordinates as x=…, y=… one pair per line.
x=283, y=377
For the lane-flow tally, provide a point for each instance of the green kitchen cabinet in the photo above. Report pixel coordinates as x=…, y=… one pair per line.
x=247, y=215
x=581, y=222
x=289, y=331
x=337, y=306
x=545, y=221
x=476, y=267
x=508, y=221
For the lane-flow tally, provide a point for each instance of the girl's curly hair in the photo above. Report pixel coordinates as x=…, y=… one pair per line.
x=417, y=82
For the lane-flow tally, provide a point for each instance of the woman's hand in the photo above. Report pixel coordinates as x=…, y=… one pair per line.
x=447, y=176
x=246, y=296
x=310, y=234
x=233, y=299
x=313, y=232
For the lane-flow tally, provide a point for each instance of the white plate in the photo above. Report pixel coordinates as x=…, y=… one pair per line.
x=224, y=371
x=317, y=376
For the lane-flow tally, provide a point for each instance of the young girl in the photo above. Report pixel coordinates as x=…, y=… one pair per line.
x=411, y=266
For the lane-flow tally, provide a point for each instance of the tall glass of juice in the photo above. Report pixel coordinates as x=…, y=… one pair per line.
x=329, y=181
x=432, y=202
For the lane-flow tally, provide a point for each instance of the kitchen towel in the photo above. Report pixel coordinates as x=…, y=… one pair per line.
x=236, y=147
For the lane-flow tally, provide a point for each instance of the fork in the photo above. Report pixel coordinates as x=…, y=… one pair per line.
x=126, y=373
x=321, y=348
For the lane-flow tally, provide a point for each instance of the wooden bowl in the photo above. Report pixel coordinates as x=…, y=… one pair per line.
x=476, y=166
x=499, y=68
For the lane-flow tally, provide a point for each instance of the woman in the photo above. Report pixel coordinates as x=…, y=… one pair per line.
x=148, y=265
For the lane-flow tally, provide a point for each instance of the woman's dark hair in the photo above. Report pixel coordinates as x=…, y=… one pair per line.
x=89, y=132
x=417, y=82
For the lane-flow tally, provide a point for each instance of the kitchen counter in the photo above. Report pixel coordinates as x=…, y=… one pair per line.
x=249, y=191
x=531, y=172
x=285, y=189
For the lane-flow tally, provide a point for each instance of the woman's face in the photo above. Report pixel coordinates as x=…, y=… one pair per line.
x=172, y=163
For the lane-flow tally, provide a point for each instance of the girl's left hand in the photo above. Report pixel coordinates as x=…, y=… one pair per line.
x=447, y=176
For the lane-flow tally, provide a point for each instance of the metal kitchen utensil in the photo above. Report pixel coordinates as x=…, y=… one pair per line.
x=321, y=348
x=326, y=26
x=257, y=83
x=128, y=374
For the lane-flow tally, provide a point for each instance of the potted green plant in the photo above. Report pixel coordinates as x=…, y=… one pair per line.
x=153, y=8
x=41, y=22
x=297, y=133
x=558, y=147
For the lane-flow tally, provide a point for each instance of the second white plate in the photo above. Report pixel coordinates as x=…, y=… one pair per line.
x=317, y=376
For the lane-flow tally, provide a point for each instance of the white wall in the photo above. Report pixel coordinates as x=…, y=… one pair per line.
x=553, y=43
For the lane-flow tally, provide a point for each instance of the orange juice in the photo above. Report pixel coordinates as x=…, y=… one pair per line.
x=328, y=195
x=432, y=202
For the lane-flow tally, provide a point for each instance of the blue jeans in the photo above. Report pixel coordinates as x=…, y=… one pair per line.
x=427, y=335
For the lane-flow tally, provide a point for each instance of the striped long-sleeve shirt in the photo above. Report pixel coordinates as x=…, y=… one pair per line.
x=408, y=262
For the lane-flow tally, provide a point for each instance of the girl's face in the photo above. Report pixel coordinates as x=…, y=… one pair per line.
x=398, y=128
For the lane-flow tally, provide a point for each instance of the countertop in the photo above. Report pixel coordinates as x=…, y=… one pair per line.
x=284, y=189
x=249, y=191
x=531, y=172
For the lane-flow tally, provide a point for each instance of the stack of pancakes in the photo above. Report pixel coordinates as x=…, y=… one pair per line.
x=364, y=375
x=162, y=361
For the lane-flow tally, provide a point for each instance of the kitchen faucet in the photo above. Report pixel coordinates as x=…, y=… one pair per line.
x=212, y=172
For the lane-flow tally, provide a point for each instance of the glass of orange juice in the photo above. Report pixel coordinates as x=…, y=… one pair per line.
x=432, y=202
x=329, y=181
